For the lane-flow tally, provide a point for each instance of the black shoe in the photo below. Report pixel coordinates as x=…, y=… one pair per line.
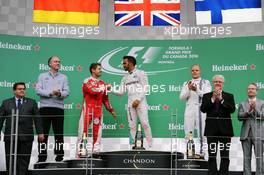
x=40, y=160
x=97, y=156
x=59, y=158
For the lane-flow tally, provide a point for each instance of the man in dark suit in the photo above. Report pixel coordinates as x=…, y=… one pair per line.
x=218, y=106
x=28, y=113
x=251, y=113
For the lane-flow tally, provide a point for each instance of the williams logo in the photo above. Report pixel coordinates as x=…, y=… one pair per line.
x=147, y=59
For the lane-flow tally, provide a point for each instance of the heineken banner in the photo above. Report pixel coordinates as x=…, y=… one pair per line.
x=167, y=63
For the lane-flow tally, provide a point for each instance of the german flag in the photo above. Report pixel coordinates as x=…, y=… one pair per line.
x=83, y=12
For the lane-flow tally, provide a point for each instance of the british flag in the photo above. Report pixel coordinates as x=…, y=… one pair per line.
x=147, y=12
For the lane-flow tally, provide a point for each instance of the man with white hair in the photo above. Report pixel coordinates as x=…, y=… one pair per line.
x=218, y=106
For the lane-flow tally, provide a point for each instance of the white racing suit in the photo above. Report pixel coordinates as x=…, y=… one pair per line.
x=193, y=117
x=136, y=85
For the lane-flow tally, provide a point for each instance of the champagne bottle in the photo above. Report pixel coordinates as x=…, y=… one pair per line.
x=83, y=151
x=190, y=147
x=139, y=138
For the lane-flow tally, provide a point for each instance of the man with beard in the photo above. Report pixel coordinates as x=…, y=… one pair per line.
x=135, y=83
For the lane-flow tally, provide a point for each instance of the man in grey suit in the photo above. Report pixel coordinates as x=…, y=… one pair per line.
x=251, y=112
x=28, y=116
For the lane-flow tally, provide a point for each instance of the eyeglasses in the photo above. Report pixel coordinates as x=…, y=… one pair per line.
x=21, y=88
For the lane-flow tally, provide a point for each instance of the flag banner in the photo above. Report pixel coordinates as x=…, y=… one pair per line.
x=147, y=12
x=227, y=11
x=83, y=12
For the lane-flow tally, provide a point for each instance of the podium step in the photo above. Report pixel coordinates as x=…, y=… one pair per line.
x=191, y=164
x=50, y=165
x=85, y=163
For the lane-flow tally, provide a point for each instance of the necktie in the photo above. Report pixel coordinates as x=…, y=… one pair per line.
x=19, y=104
x=217, y=104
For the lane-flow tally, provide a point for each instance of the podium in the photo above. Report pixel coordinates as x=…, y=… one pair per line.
x=126, y=162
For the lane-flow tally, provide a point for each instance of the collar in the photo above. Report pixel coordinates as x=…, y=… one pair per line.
x=95, y=79
x=198, y=79
x=252, y=99
x=52, y=74
x=220, y=91
x=22, y=99
x=134, y=70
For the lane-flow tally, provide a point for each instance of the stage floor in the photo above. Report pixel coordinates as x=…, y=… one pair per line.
x=122, y=171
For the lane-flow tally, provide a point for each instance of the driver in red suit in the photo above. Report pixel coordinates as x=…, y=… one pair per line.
x=95, y=94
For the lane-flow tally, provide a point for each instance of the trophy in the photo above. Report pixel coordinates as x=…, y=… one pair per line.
x=139, y=139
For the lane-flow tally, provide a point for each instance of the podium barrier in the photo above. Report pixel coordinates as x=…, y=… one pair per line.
x=130, y=161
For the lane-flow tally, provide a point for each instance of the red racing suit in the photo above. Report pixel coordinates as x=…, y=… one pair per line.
x=94, y=93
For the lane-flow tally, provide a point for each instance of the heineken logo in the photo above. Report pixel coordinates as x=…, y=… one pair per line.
x=15, y=46
x=66, y=68
x=253, y=66
x=37, y=47
x=260, y=85
x=9, y=84
x=109, y=126
x=259, y=47
x=233, y=67
x=230, y=68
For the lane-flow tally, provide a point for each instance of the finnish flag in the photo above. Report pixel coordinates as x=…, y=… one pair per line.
x=227, y=11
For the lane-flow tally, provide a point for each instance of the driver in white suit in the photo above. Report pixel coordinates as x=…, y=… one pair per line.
x=135, y=83
x=192, y=92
